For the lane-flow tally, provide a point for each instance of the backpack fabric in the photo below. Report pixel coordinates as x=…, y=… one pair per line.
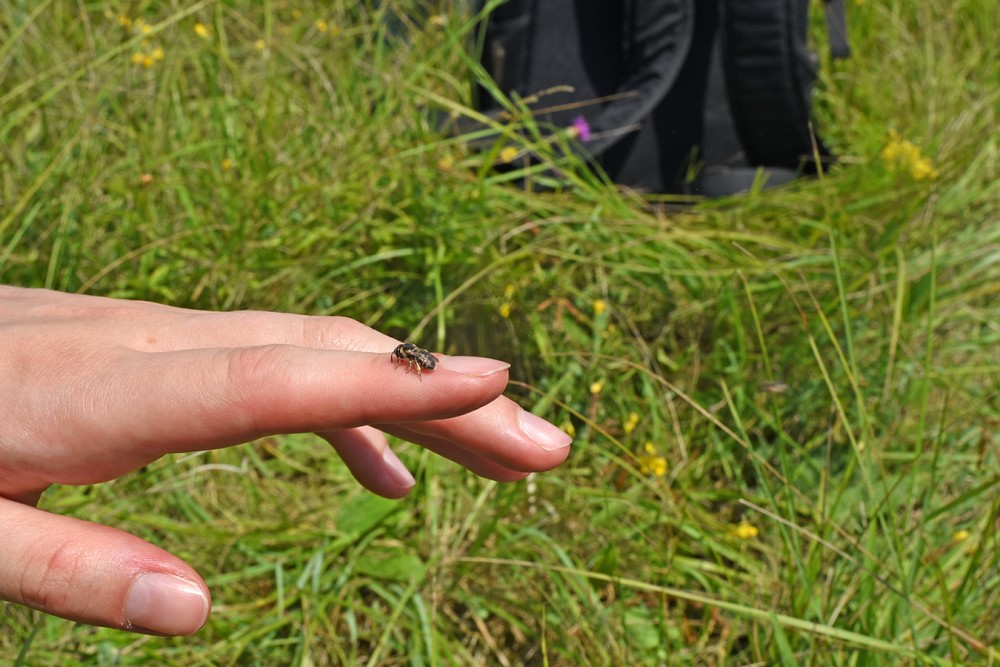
x=664, y=85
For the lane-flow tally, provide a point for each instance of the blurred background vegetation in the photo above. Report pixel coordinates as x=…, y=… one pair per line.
x=785, y=404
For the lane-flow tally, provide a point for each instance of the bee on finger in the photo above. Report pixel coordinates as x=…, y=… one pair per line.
x=415, y=357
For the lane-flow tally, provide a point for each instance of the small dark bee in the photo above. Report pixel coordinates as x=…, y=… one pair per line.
x=415, y=357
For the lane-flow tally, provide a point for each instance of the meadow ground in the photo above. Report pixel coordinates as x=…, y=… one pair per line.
x=785, y=405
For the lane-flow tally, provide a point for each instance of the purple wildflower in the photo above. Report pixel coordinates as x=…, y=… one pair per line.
x=581, y=128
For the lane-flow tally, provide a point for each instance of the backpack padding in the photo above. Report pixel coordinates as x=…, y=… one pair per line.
x=769, y=73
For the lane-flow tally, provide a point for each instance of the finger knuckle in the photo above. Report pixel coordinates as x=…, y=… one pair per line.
x=248, y=368
x=48, y=579
x=338, y=333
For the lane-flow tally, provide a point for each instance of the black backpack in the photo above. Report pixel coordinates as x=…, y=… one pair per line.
x=667, y=88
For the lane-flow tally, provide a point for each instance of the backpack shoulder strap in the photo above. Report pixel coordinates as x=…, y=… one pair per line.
x=836, y=26
x=658, y=36
x=506, y=41
x=621, y=73
x=769, y=72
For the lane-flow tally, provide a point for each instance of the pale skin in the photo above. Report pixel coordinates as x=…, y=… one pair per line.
x=94, y=388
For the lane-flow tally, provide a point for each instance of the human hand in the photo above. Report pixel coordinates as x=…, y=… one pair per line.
x=95, y=388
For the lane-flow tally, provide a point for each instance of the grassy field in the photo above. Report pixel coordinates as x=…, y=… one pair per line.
x=785, y=406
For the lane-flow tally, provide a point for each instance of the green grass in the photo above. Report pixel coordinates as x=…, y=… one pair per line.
x=273, y=165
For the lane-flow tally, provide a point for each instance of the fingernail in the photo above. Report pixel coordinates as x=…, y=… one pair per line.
x=545, y=435
x=478, y=366
x=398, y=470
x=165, y=604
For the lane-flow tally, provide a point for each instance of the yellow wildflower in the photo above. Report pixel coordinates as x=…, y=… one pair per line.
x=596, y=387
x=260, y=45
x=900, y=154
x=322, y=25
x=923, y=170
x=745, y=530
x=509, y=154
x=599, y=307
x=960, y=536
x=124, y=21
x=147, y=59
x=227, y=164
x=508, y=295
x=202, y=30
x=651, y=463
x=630, y=423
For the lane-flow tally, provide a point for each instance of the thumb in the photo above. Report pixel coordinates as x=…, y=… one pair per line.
x=96, y=574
